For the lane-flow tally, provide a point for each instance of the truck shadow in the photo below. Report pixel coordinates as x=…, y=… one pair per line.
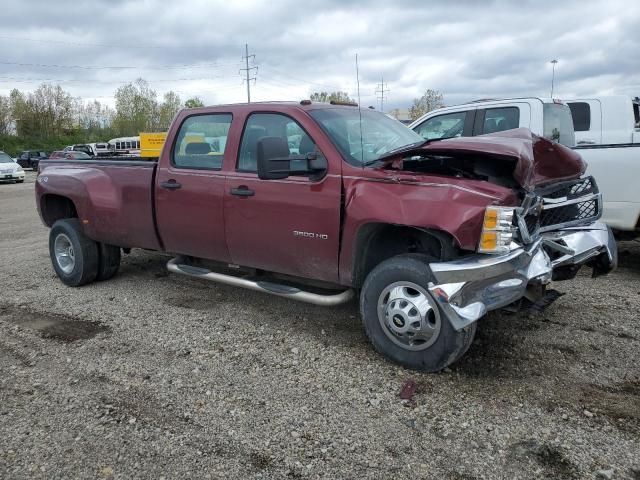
x=629, y=255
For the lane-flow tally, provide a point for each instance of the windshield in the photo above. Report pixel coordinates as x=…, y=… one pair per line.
x=4, y=158
x=558, y=124
x=380, y=134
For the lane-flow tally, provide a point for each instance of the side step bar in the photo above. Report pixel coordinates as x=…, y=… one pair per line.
x=277, y=289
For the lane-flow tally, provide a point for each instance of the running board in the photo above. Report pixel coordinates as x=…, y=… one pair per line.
x=277, y=289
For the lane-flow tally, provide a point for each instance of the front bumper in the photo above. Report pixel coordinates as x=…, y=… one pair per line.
x=11, y=176
x=469, y=287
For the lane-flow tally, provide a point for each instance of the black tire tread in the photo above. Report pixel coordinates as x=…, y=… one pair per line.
x=88, y=250
x=419, y=265
x=108, y=261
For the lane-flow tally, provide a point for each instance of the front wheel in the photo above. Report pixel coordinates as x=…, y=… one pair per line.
x=74, y=256
x=402, y=319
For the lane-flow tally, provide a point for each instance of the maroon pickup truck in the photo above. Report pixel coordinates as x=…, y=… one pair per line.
x=320, y=202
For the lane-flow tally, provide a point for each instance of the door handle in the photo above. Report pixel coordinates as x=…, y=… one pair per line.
x=171, y=185
x=242, y=191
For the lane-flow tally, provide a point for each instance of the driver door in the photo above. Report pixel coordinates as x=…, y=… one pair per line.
x=288, y=226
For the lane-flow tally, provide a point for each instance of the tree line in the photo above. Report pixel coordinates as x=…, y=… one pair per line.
x=50, y=118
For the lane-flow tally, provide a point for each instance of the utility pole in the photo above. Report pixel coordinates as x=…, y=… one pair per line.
x=247, y=70
x=553, y=74
x=381, y=90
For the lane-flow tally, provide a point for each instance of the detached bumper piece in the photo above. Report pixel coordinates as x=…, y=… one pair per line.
x=469, y=287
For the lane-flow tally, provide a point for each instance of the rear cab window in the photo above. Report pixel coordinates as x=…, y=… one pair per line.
x=447, y=125
x=581, y=114
x=500, y=119
x=558, y=124
x=201, y=141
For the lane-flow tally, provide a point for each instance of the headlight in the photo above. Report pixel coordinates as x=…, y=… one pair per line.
x=19, y=169
x=497, y=230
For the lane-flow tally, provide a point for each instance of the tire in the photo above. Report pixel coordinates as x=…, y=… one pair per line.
x=19, y=181
x=76, y=260
x=391, y=287
x=108, y=261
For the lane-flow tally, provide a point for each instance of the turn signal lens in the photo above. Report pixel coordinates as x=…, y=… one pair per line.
x=490, y=219
x=497, y=230
x=488, y=241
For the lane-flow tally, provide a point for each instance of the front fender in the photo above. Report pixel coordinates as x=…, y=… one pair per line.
x=451, y=207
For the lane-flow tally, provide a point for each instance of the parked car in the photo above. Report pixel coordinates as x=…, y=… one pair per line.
x=102, y=149
x=610, y=121
x=70, y=155
x=432, y=236
x=10, y=171
x=31, y=158
x=93, y=149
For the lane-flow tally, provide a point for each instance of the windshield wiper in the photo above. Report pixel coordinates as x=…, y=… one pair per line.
x=395, y=151
x=408, y=147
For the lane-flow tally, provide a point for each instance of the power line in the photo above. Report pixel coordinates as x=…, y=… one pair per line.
x=381, y=89
x=22, y=39
x=248, y=70
x=118, y=67
x=107, y=82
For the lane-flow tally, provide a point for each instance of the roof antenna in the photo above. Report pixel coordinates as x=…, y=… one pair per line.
x=360, y=114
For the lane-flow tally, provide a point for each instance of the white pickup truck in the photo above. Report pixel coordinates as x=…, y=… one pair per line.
x=607, y=131
x=610, y=144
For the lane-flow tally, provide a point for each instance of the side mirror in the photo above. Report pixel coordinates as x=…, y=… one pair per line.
x=273, y=158
x=275, y=161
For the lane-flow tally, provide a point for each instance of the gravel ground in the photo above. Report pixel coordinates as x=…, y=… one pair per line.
x=152, y=375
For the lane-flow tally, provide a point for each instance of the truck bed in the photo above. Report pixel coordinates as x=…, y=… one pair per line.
x=113, y=197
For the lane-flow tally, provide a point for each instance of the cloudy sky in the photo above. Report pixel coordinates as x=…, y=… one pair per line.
x=465, y=49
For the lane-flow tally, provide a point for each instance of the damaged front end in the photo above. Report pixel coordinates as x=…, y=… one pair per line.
x=555, y=233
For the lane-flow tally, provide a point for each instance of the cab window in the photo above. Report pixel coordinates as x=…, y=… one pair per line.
x=272, y=125
x=500, y=119
x=581, y=115
x=443, y=126
x=201, y=141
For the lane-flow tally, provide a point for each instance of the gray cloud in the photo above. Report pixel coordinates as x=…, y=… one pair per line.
x=467, y=50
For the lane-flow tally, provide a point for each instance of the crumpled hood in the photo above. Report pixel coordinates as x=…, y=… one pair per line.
x=538, y=160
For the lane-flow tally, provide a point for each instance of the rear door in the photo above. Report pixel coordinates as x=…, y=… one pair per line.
x=190, y=185
x=502, y=117
x=447, y=125
x=288, y=226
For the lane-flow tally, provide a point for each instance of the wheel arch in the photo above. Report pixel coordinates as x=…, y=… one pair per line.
x=376, y=242
x=54, y=207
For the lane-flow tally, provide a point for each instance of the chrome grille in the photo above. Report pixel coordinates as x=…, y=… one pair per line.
x=565, y=204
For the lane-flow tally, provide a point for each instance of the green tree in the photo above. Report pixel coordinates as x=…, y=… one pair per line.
x=136, y=109
x=194, y=102
x=431, y=100
x=326, y=97
x=170, y=106
x=46, y=112
x=6, y=119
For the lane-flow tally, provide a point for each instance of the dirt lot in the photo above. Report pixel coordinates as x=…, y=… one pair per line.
x=152, y=375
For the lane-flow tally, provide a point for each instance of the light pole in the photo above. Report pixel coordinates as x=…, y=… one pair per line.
x=553, y=74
